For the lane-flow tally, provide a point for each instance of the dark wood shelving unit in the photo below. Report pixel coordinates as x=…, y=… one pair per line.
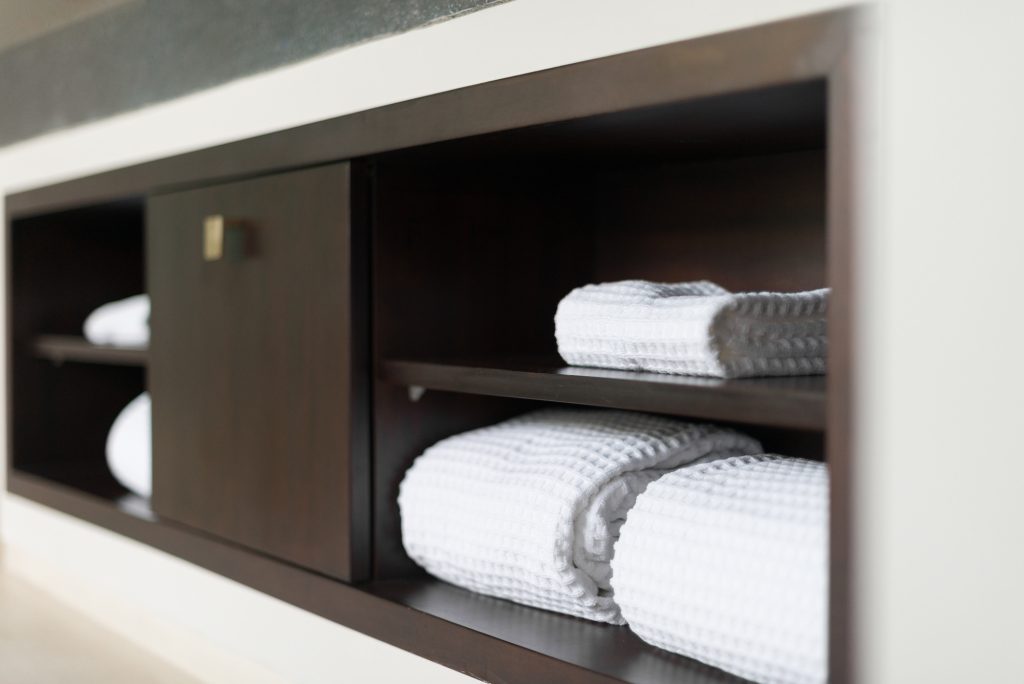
x=62, y=348
x=458, y=223
x=791, y=402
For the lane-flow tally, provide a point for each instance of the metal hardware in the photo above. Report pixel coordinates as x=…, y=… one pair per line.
x=213, y=237
x=227, y=239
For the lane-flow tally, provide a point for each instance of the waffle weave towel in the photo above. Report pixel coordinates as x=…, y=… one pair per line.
x=726, y=562
x=124, y=323
x=693, y=328
x=130, y=447
x=529, y=509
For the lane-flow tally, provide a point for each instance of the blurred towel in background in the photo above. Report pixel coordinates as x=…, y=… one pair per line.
x=124, y=323
x=129, y=447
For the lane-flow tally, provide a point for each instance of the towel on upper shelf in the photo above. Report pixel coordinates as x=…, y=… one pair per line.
x=695, y=328
x=529, y=509
x=727, y=563
x=130, y=447
x=124, y=323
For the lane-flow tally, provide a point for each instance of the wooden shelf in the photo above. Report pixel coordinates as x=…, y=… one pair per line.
x=61, y=348
x=605, y=651
x=479, y=635
x=792, y=402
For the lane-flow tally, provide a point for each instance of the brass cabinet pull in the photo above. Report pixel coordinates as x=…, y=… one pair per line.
x=225, y=238
x=213, y=237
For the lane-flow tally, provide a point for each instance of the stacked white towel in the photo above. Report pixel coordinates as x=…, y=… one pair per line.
x=727, y=562
x=529, y=509
x=695, y=328
x=124, y=323
x=130, y=447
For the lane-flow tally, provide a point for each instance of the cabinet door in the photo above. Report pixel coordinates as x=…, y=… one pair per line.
x=258, y=371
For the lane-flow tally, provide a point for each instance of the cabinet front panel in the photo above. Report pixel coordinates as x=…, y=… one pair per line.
x=252, y=368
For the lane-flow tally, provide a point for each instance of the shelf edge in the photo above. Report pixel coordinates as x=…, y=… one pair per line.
x=780, y=408
x=68, y=348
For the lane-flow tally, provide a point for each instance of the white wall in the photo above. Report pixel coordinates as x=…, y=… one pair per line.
x=941, y=553
x=941, y=505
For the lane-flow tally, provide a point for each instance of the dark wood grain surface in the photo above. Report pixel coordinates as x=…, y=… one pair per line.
x=252, y=368
x=61, y=348
x=474, y=250
x=846, y=215
x=795, y=402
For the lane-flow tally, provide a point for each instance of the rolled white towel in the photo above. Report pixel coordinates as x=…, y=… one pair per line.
x=695, y=328
x=727, y=563
x=124, y=323
x=529, y=509
x=130, y=447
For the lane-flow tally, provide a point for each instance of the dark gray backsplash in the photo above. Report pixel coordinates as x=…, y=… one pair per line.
x=152, y=50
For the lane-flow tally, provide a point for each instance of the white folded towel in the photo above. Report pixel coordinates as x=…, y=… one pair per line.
x=124, y=323
x=693, y=328
x=529, y=509
x=727, y=563
x=130, y=447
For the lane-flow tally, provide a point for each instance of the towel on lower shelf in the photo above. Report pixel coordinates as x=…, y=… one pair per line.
x=529, y=509
x=130, y=447
x=124, y=323
x=693, y=328
x=727, y=563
